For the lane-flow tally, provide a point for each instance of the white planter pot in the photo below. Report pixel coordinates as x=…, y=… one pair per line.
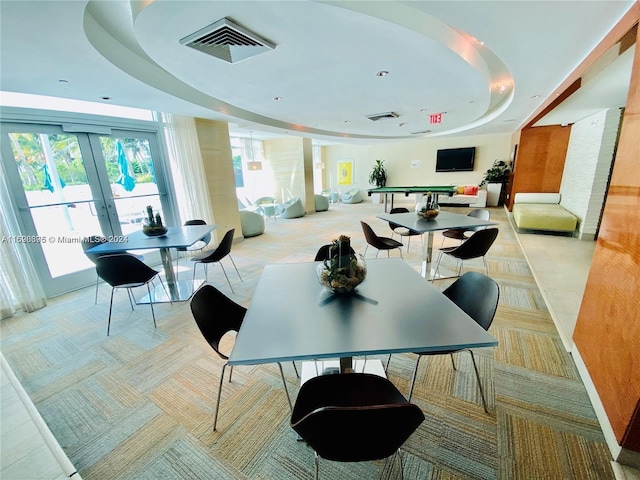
x=493, y=194
x=376, y=198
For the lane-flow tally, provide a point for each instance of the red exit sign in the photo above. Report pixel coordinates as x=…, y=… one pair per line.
x=435, y=118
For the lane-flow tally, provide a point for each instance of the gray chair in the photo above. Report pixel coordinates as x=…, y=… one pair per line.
x=477, y=295
x=322, y=203
x=353, y=195
x=292, y=208
x=252, y=223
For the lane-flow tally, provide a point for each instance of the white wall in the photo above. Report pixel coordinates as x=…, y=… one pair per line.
x=398, y=157
x=586, y=170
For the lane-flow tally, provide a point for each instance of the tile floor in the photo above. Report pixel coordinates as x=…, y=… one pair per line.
x=28, y=450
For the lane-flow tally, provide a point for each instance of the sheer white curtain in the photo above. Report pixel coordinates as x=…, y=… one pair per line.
x=187, y=168
x=20, y=287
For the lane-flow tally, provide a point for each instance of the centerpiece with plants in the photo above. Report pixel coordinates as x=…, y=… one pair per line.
x=343, y=271
x=152, y=225
x=428, y=208
x=378, y=175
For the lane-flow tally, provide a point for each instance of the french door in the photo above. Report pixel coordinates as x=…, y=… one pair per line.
x=69, y=184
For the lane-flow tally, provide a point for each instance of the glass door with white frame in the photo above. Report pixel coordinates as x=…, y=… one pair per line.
x=69, y=185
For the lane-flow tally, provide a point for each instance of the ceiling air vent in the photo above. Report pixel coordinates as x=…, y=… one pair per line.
x=381, y=116
x=423, y=132
x=228, y=41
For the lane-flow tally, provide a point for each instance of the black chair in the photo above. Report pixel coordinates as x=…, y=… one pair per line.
x=399, y=229
x=199, y=245
x=126, y=271
x=460, y=233
x=216, y=315
x=353, y=417
x=90, y=242
x=212, y=256
x=381, y=243
x=476, y=246
x=477, y=295
x=324, y=252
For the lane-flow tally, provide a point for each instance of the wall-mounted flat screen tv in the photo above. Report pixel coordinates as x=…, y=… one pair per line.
x=455, y=160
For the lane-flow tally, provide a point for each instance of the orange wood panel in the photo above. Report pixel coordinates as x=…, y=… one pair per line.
x=540, y=160
x=607, y=332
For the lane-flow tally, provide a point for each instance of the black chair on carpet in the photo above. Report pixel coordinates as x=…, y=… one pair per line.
x=380, y=243
x=461, y=233
x=476, y=246
x=477, y=295
x=216, y=315
x=90, y=242
x=215, y=256
x=399, y=229
x=353, y=417
x=199, y=245
x=126, y=271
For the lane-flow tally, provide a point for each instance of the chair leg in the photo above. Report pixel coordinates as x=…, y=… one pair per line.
x=151, y=305
x=365, y=250
x=453, y=362
x=435, y=273
x=225, y=274
x=215, y=417
x=97, y=282
x=317, y=465
x=475, y=367
x=413, y=378
x=386, y=367
x=110, y=308
x=284, y=382
x=296, y=369
x=129, y=295
x=486, y=266
x=230, y=373
x=234, y=266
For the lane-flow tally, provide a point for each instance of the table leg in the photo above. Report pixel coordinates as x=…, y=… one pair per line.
x=346, y=364
x=176, y=290
x=427, y=255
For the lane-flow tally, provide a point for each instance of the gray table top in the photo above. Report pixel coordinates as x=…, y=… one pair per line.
x=443, y=221
x=176, y=237
x=292, y=317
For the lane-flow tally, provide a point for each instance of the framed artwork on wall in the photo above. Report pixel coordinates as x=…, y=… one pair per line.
x=345, y=173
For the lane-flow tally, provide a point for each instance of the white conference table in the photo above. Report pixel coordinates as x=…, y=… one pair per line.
x=444, y=221
x=176, y=237
x=293, y=317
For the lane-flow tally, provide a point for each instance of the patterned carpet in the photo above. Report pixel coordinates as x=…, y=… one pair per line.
x=140, y=403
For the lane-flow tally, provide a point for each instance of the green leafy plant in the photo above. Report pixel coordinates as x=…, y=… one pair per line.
x=378, y=175
x=497, y=173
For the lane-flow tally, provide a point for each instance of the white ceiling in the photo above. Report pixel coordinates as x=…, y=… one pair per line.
x=486, y=66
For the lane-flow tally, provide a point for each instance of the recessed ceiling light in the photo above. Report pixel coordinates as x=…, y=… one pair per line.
x=277, y=98
x=534, y=96
x=423, y=110
x=382, y=73
x=63, y=81
x=105, y=98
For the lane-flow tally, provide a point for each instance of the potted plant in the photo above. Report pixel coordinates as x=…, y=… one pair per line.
x=378, y=175
x=495, y=178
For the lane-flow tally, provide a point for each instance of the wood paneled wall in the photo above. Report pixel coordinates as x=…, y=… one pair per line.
x=607, y=332
x=540, y=160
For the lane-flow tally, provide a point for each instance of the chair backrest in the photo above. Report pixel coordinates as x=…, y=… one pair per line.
x=477, y=245
x=353, y=417
x=480, y=213
x=222, y=250
x=477, y=295
x=370, y=236
x=324, y=252
x=92, y=241
x=207, y=238
x=392, y=225
x=123, y=269
x=216, y=314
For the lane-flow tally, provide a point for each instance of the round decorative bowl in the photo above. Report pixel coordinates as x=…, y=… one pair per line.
x=150, y=231
x=341, y=279
x=428, y=214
